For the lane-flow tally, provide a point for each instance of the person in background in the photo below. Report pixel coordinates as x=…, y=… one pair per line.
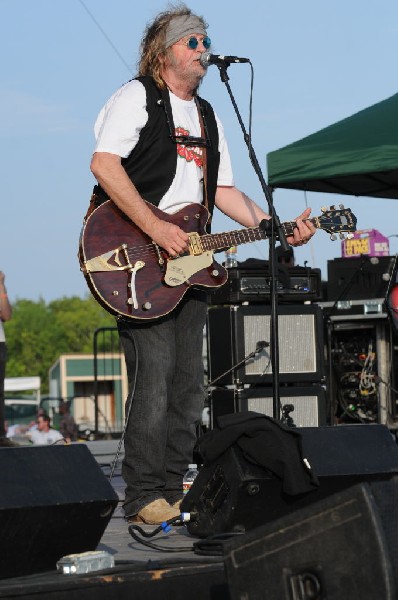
x=44, y=434
x=33, y=424
x=158, y=143
x=5, y=315
x=67, y=424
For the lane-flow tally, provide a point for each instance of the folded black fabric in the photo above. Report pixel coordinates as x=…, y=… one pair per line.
x=265, y=442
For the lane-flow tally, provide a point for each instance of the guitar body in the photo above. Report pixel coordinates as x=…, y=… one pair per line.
x=130, y=276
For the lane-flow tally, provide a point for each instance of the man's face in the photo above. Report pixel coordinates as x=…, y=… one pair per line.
x=183, y=59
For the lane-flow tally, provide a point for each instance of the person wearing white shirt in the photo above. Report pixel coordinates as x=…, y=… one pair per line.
x=44, y=434
x=158, y=143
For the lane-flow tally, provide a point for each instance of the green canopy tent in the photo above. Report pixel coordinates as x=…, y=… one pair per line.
x=356, y=156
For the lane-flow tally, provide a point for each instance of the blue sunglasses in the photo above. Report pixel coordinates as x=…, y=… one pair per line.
x=193, y=42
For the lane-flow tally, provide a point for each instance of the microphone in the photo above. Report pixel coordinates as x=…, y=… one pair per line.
x=206, y=59
x=261, y=345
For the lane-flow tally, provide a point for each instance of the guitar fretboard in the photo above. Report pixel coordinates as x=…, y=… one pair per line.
x=217, y=241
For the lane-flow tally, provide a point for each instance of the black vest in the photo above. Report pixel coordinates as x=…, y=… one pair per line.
x=153, y=162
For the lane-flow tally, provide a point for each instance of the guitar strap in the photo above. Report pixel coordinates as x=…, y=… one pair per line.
x=204, y=135
x=94, y=203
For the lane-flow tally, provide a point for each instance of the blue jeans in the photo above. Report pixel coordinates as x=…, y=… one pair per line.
x=168, y=401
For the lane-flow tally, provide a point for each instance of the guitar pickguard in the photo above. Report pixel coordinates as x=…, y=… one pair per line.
x=180, y=269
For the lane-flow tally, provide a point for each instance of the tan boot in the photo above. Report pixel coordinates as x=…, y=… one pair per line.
x=155, y=513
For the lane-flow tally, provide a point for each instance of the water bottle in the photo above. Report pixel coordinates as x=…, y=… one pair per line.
x=231, y=257
x=189, y=478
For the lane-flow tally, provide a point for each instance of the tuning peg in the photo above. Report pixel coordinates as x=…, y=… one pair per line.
x=333, y=207
x=341, y=206
x=333, y=237
x=350, y=236
x=324, y=209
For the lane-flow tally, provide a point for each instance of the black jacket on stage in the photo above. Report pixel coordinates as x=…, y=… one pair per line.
x=265, y=442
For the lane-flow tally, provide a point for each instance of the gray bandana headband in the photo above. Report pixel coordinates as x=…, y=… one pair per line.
x=181, y=26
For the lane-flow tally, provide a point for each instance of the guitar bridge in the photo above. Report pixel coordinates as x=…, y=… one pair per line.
x=103, y=262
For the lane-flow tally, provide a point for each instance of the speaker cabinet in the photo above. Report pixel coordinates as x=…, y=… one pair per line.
x=54, y=500
x=233, y=333
x=307, y=404
x=234, y=494
x=336, y=549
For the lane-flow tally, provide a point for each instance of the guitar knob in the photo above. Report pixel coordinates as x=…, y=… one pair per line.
x=215, y=273
x=147, y=306
x=341, y=206
x=333, y=237
x=324, y=209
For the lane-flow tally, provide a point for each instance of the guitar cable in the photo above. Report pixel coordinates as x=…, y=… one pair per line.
x=129, y=403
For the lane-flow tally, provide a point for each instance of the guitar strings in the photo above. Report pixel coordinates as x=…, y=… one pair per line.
x=207, y=240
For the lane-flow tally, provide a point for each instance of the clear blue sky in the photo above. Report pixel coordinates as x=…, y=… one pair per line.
x=315, y=63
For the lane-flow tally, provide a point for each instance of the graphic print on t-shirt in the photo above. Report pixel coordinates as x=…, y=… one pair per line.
x=190, y=153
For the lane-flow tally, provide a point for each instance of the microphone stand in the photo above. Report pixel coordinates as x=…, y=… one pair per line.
x=274, y=228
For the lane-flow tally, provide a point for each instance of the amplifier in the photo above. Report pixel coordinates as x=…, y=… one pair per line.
x=233, y=333
x=253, y=285
x=307, y=403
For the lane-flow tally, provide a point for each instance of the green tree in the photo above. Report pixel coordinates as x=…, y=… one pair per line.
x=38, y=333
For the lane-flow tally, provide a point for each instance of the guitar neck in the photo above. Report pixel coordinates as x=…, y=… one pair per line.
x=217, y=241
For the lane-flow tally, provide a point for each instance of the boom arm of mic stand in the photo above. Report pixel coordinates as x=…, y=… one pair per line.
x=239, y=364
x=274, y=226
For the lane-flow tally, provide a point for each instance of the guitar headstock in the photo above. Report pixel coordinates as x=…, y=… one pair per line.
x=337, y=220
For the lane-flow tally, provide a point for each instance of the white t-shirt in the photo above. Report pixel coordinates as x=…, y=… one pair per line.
x=2, y=336
x=117, y=131
x=42, y=438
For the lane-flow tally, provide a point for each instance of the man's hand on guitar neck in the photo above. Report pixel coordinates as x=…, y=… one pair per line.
x=304, y=231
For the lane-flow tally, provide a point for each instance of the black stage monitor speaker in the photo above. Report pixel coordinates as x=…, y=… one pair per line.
x=233, y=494
x=335, y=549
x=306, y=405
x=359, y=278
x=54, y=500
x=233, y=332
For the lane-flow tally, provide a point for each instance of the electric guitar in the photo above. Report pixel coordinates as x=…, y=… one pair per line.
x=130, y=276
